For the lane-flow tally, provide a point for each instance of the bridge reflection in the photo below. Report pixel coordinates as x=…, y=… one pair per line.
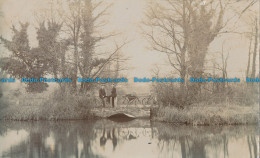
x=129, y=111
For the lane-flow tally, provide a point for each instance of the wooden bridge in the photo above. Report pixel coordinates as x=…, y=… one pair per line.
x=130, y=105
x=133, y=112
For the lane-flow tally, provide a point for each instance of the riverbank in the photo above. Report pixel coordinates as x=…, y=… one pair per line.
x=78, y=107
x=60, y=107
x=195, y=115
x=204, y=115
x=48, y=112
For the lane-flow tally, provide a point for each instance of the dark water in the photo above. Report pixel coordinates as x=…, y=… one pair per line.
x=133, y=139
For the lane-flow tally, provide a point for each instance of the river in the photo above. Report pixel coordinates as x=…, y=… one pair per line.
x=139, y=138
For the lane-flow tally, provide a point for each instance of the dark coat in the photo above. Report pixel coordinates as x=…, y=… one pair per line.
x=113, y=92
x=102, y=93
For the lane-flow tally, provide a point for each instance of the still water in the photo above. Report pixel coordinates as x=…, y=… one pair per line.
x=131, y=139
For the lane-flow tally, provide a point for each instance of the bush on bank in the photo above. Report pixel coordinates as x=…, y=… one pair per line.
x=169, y=94
x=215, y=104
x=204, y=115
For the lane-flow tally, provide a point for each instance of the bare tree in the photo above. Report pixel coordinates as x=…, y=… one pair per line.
x=249, y=56
x=253, y=35
x=183, y=30
x=72, y=25
x=223, y=66
x=255, y=48
x=83, y=22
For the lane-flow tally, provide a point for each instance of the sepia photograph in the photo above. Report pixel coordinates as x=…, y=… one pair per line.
x=129, y=78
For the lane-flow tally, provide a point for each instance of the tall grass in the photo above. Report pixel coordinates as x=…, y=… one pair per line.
x=204, y=115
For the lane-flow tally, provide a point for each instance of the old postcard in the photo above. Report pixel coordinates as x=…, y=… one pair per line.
x=129, y=78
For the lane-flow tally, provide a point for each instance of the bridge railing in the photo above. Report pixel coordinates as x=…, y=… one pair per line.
x=129, y=100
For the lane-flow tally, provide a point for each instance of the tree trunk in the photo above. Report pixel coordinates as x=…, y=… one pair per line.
x=75, y=69
x=197, y=58
x=255, y=51
x=62, y=69
x=249, y=58
x=182, y=76
x=183, y=148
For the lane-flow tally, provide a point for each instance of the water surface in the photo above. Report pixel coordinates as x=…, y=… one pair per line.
x=132, y=139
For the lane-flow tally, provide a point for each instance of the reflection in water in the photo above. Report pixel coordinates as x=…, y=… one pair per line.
x=137, y=138
x=104, y=139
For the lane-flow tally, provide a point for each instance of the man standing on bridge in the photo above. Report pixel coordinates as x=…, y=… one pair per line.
x=102, y=94
x=113, y=95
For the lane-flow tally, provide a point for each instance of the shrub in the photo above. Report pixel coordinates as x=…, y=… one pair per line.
x=168, y=94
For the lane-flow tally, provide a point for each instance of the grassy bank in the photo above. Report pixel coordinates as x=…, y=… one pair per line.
x=204, y=115
x=57, y=106
x=46, y=112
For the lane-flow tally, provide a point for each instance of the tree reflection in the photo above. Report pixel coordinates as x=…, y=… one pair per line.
x=251, y=140
x=64, y=136
x=202, y=142
x=95, y=139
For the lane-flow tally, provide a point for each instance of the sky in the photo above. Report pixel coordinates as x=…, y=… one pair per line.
x=125, y=16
